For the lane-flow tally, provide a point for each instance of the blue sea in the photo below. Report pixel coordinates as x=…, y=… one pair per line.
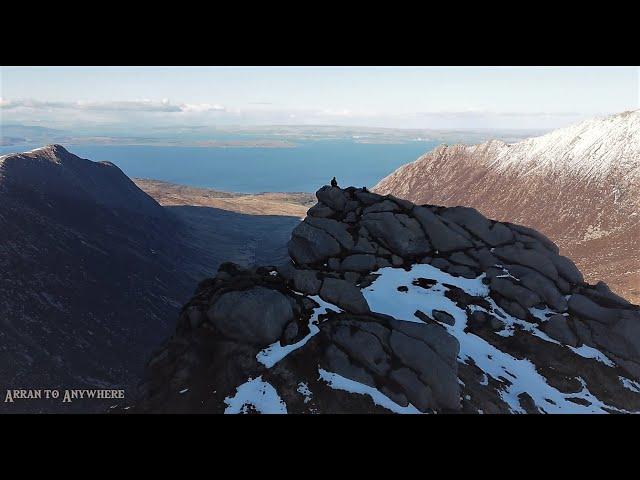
x=304, y=168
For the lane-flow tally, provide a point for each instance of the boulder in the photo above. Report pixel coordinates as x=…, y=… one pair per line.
x=443, y=317
x=309, y=245
x=529, y=258
x=363, y=245
x=548, y=244
x=517, y=293
x=361, y=346
x=359, y=263
x=429, y=364
x=538, y=283
x=566, y=268
x=404, y=204
x=337, y=230
x=481, y=227
x=334, y=197
x=368, y=198
x=485, y=258
x=586, y=308
x=558, y=327
x=602, y=294
x=352, y=277
x=384, y=206
x=338, y=362
x=440, y=263
x=306, y=281
x=396, y=261
x=399, y=233
x=344, y=294
x=442, y=237
x=334, y=264
x=461, y=271
x=351, y=217
x=320, y=210
x=463, y=259
x=256, y=316
x=419, y=394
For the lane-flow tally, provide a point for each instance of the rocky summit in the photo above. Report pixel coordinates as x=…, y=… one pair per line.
x=386, y=306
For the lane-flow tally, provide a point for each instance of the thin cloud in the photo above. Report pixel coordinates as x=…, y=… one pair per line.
x=163, y=106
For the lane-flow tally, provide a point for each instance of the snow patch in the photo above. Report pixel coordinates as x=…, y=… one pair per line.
x=516, y=375
x=338, y=382
x=257, y=393
x=275, y=352
x=303, y=389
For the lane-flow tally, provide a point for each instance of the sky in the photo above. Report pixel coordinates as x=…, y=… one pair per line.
x=393, y=97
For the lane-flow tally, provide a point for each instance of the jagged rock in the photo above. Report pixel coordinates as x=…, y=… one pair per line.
x=476, y=223
x=343, y=294
x=398, y=233
x=558, y=327
x=309, y=245
x=333, y=197
x=359, y=263
x=257, y=316
x=442, y=237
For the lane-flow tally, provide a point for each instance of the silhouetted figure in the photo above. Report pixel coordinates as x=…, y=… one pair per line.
x=334, y=182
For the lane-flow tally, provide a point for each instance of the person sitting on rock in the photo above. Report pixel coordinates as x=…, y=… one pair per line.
x=334, y=182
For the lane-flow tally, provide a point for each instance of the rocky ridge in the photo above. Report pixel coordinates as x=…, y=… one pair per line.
x=578, y=185
x=390, y=306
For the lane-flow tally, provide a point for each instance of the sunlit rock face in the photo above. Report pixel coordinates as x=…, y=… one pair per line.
x=578, y=185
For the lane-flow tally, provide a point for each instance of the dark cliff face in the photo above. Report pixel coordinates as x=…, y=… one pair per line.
x=88, y=279
x=387, y=306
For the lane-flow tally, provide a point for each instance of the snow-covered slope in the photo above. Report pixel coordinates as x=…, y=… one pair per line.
x=578, y=185
x=387, y=306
